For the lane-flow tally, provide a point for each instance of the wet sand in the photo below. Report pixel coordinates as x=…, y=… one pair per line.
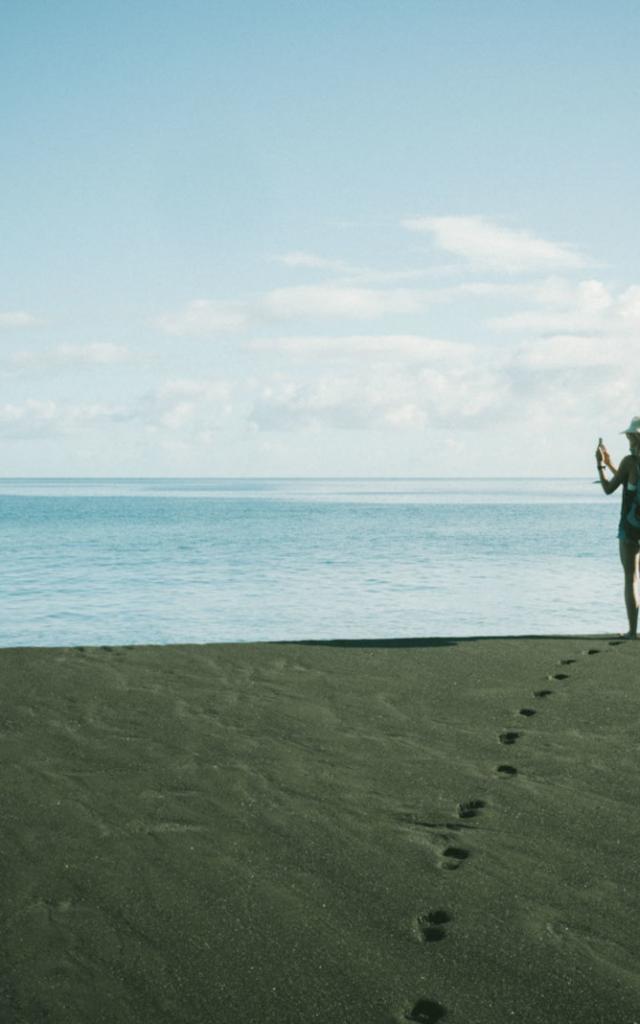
x=371, y=831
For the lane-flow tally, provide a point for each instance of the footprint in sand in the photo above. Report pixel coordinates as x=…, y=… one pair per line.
x=454, y=856
x=509, y=736
x=527, y=712
x=450, y=857
x=425, y=1011
x=430, y=927
x=592, y=650
x=559, y=676
x=470, y=808
x=542, y=693
x=506, y=770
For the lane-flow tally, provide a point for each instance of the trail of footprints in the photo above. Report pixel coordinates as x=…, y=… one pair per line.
x=431, y=926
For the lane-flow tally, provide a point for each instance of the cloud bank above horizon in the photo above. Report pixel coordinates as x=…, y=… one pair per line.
x=451, y=361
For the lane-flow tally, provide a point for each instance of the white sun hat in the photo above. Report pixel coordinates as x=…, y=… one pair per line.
x=634, y=426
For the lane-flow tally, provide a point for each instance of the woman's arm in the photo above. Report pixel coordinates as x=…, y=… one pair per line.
x=619, y=475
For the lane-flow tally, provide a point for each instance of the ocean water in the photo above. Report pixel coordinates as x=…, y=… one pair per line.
x=126, y=561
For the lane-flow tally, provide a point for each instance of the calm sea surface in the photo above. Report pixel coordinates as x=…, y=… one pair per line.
x=202, y=560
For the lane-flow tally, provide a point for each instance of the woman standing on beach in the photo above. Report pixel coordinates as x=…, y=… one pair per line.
x=628, y=474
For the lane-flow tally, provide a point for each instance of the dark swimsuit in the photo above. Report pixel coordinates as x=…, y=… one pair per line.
x=628, y=495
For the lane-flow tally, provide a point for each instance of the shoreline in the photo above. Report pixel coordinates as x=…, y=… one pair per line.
x=391, y=829
x=435, y=640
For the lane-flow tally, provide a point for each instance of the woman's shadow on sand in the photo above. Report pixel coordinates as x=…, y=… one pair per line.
x=437, y=641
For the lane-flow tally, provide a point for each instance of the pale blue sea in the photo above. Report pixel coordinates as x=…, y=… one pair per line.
x=205, y=560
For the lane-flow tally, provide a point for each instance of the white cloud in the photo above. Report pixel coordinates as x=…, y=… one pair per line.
x=395, y=346
x=629, y=306
x=553, y=291
x=560, y=292
x=564, y=362
x=335, y=300
x=350, y=300
x=570, y=351
x=551, y=385
x=289, y=404
x=37, y=418
x=178, y=416
x=371, y=276
x=75, y=356
x=339, y=301
x=190, y=408
x=185, y=408
x=379, y=398
x=484, y=243
x=18, y=318
x=542, y=322
x=211, y=390
x=308, y=260
x=588, y=307
x=349, y=272
x=204, y=316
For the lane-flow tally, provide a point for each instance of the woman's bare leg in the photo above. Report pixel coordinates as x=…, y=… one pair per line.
x=629, y=559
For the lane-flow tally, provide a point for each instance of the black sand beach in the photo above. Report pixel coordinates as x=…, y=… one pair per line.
x=336, y=832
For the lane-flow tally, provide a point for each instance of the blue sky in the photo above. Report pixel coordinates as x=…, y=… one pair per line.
x=300, y=239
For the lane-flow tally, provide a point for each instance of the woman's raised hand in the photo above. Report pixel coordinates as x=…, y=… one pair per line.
x=602, y=453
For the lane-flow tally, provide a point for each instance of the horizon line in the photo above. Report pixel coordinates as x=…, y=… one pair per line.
x=222, y=477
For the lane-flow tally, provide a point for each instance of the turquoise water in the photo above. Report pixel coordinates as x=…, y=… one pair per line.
x=167, y=561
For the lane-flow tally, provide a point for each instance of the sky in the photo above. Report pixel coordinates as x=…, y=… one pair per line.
x=297, y=239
